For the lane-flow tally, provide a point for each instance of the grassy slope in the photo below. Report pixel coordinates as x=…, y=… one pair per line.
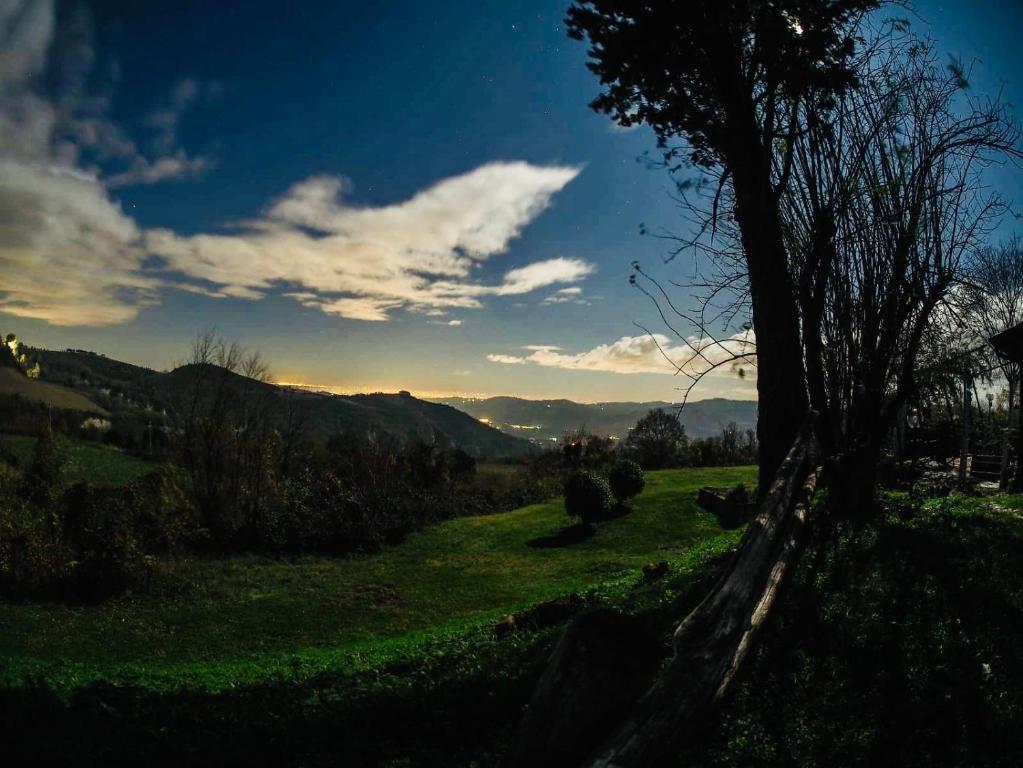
x=13, y=382
x=86, y=461
x=239, y=615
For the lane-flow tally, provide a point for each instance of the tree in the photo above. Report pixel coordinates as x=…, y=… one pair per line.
x=227, y=439
x=851, y=176
x=727, y=79
x=43, y=480
x=884, y=205
x=658, y=440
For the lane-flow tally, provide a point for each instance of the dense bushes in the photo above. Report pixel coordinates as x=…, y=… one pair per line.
x=587, y=496
x=733, y=447
x=358, y=495
x=84, y=542
x=626, y=480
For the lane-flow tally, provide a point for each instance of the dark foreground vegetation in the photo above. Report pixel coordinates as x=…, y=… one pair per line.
x=851, y=672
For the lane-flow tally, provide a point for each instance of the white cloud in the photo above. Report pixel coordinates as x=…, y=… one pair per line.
x=70, y=255
x=544, y=273
x=570, y=295
x=644, y=354
x=170, y=167
x=506, y=359
x=363, y=263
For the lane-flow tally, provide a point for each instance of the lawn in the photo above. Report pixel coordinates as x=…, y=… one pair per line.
x=896, y=642
x=217, y=622
x=86, y=461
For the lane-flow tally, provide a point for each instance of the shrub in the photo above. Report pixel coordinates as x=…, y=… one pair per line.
x=587, y=496
x=626, y=480
x=101, y=527
x=33, y=560
x=92, y=541
x=43, y=479
x=739, y=495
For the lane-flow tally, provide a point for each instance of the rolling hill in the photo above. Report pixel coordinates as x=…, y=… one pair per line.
x=544, y=420
x=126, y=389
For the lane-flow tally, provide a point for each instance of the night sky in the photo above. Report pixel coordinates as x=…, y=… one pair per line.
x=378, y=196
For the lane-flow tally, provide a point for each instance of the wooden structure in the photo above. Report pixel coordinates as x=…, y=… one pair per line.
x=1009, y=346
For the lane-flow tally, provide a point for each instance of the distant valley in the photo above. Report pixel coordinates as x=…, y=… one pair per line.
x=547, y=420
x=494, y=426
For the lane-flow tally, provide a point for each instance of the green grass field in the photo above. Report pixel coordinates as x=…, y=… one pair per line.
x=898, y=642
x=86, y=461
x=220, y=622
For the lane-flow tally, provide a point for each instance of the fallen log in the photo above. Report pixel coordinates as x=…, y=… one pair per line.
x=709, y=645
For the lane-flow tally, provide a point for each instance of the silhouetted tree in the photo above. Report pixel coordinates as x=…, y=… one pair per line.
x=226, y=438
x=727, y=79
x=658, y=440
x=846, y=189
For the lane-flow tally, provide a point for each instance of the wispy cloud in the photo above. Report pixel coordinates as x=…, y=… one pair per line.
x=364, y=263
x=506, y=359
x=70, y=255
x=570, y=295
x=644, y=354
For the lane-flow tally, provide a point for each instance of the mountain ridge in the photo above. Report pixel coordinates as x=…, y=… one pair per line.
x=550, y=419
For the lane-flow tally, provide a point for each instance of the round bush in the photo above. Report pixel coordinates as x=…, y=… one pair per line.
x=587, y=496
x=626, y=479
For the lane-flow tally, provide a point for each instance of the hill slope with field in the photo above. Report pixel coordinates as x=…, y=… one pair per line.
x=229, y=620
x=123, y=388
x=14, y=382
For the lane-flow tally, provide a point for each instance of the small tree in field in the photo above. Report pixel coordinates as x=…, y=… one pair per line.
x=626, y=480
x=587, y=496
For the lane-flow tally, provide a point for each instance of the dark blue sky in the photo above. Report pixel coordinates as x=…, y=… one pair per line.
x=395, y=97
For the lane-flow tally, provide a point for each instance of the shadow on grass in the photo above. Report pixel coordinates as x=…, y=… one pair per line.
x=616, y=511
x=566, y=537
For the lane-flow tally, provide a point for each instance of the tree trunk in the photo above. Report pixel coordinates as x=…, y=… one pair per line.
x=852, y=485
x=781, y=384
x=714, y=640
